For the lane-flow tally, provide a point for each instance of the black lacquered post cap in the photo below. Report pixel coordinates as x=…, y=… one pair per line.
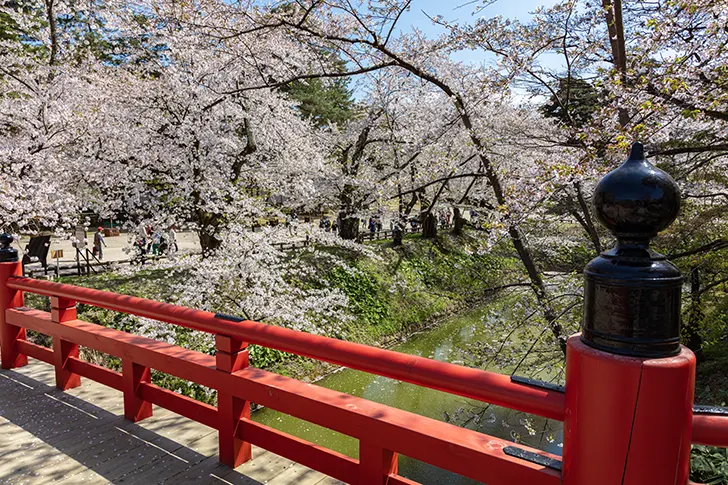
x=8, y=254
x=637, y=200
x=632, y=294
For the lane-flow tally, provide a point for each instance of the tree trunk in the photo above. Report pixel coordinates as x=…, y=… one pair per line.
x=51, y=15
x=209, y=242
x=691, y=330
x=429, y=226
x=458, y=222
x=349, y=226
x=588, y=222
x=209, y=225
x=615, y=30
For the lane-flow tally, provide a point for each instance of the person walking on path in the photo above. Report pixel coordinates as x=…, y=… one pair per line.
x=157, y=242
x=172, y=237
x=98, y=242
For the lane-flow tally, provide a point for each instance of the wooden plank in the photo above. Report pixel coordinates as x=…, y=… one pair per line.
x=89, y=442
x=36, y=372
x=264, y=466
x=298, y=474
x=330, y=481
x=175, y=428
x=196, y=453
x=14, y=390
x=45, y=418
x=97, y=400
x=126, y=452
x=47, y=466
x=115, y=463
x=87, y=476
x=156, y=471
x=15, y=440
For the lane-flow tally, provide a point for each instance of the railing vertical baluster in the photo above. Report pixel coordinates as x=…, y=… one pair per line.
x=231, y=356
x=10, y=334
x=376, y=464
x=629, y=382
x=64, y=310
x=135, y=408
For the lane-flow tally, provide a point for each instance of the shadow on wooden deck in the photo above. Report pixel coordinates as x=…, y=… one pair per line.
x=80, y=436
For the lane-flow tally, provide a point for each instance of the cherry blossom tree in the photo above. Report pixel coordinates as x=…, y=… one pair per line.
x=48, y=114
x=364, y=34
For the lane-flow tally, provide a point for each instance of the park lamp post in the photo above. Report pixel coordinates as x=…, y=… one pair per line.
x=629, y=382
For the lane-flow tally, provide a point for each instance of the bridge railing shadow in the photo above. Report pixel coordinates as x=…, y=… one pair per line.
x=74, y=439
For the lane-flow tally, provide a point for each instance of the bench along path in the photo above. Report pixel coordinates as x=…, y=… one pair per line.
x=80, y=436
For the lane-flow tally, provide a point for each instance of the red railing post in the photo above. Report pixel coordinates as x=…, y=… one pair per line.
x=64, y=310
x=10, y=334
x=135, y=408
x=629, y=382
x=376, y=464
x=231, y=356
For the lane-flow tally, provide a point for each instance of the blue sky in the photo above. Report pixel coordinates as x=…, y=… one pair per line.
x=462, y=11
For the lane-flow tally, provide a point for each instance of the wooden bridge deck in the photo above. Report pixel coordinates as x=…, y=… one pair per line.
x=80, y=436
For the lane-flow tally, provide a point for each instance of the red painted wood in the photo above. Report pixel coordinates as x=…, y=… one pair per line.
x=627, y=419
x=471, y=383
x=170, y=359
x=398, y=480
x=64, y=310
x=600, y=400
x=223, y=343
x=710, y=430
x=634, y=416
x=463, y=451
x=36, y=351
x=232, y=362
x=133, y=375
x=62, y=351
x=662, y=433
x=301, y=451
x=376, y=464
x=179, y=404
x=234, y=449
x=96, y=373
x=10, y=357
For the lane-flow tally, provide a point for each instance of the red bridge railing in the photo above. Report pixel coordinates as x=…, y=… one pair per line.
x=627, y=406
x=383, y=431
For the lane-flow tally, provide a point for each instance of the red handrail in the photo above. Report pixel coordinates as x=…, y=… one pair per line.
x=463, y=381
x=382, y=431
x=710, y=430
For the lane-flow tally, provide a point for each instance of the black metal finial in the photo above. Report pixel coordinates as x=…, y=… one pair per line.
x=632, y=294
x=637, y=200
x=8, y=254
